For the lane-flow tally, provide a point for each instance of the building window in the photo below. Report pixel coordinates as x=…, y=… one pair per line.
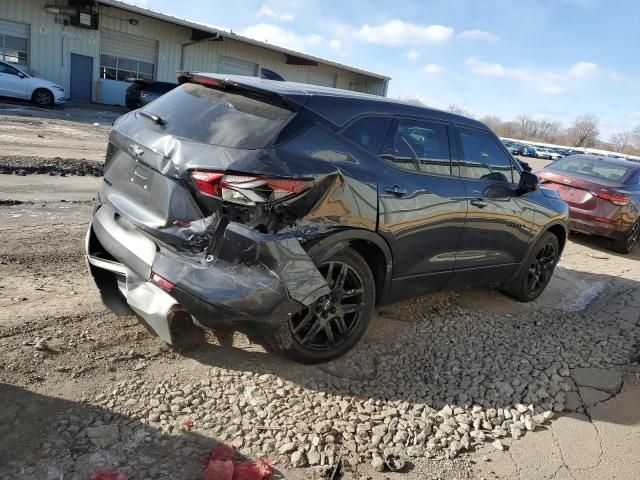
x=120, y=68
x=14, y=49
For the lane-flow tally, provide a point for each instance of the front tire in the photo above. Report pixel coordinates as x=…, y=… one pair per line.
x=43, y=97
x=627, y=244
x=536, y=271
x=331, y=326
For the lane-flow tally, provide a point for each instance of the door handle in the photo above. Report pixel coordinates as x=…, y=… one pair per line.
x=478, y=202
x=395, y=190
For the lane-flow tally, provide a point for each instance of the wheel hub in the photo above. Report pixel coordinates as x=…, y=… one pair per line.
x=332, y=318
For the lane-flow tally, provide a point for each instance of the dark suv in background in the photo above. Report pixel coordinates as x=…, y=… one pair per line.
x=295, y=209
x=143, y=92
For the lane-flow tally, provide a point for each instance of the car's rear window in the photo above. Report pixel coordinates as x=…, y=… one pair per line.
x=593, y=167
x=234, y=118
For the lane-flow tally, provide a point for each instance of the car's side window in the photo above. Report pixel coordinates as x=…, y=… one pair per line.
x=418, y=146
x=7, y=69
x=483, y=159
x=368, y=132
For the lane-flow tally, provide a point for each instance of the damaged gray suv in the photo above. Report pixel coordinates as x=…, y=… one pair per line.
x=293, y=210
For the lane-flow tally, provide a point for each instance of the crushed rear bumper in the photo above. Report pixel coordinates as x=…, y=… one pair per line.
x=254, y=279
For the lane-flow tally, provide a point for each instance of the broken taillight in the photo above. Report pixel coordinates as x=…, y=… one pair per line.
x=247, y=189
x=615, y=198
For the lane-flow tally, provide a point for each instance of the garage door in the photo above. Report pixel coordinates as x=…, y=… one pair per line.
x=122, y=57
x=322, y=78
x=14, y=42
x=233, y=66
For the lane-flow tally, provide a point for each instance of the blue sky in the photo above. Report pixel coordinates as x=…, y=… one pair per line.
x=553, y=59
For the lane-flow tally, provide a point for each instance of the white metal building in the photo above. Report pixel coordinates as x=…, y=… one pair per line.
x=91, y=47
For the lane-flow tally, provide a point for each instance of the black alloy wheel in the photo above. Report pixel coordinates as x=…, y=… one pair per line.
x=628, y=243
x=332, y=319
x=541, y=269
x=536, y=270
x=43, y=97
x=334, y=323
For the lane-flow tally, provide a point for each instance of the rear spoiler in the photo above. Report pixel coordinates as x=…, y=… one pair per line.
x=295, y=100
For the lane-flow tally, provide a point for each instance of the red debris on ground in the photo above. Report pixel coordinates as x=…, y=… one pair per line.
x=221, y=465
x=109, y=475
x=187, y=424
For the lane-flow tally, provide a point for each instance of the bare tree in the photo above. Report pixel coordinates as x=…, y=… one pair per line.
x=526, y=126
x=584, y=131
x=635, y=136
x=548, y=131
x=493, y=122
x=413, y=101
x=620, y=141
x=453, y=108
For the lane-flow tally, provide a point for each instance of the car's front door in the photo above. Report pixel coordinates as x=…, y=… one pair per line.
x=422, y=206
x=500, y=216
x=12, y=82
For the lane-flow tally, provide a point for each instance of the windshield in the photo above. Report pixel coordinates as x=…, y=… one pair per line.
x=593, y=167
x=233, y=118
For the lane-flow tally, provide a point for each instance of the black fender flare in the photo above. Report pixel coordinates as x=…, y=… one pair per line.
x=325, y=247
x=535, y=239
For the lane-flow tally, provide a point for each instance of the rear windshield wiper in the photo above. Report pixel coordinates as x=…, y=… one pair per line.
x=153, y=117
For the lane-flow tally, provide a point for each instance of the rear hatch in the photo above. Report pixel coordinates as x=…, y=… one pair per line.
x=223, y=130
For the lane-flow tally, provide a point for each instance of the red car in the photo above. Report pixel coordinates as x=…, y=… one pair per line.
x=603, y=196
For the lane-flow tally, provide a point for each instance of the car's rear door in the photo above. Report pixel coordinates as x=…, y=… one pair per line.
x=500, y=217
x=422, y=206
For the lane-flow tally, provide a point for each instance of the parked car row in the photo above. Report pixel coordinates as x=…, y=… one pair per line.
x=528, y=150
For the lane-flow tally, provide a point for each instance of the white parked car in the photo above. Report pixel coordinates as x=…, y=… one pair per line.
x=16, y=83
x=545, y=153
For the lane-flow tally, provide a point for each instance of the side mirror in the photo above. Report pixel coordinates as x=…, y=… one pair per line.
x=528, y=182
x=21, y=75
x=525, y=166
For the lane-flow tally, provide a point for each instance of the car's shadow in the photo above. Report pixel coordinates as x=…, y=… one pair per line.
x=44, y=437
x=603, y=245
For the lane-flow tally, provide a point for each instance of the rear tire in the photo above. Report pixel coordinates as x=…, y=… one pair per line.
x=536, y=271
x=331, y=326
x=627, y=244
x=42, y=97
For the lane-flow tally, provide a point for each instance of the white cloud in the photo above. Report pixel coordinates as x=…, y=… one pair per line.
x=634, y=115
x=267, y=11
x=480, y=67
x=277, y=35
x=478, y=36
x=583, y=69
x=552, y=90
x=398, y=33
x=413, y=55
x=433, y=68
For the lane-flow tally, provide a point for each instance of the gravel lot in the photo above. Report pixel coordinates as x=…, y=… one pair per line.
x=450, y=383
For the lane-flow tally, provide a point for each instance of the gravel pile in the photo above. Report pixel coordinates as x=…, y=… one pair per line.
x=22, y=165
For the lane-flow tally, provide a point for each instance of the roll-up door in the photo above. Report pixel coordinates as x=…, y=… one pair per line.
x=124, y=56
x=322, y=78
x=233, y=66
x=14, y=42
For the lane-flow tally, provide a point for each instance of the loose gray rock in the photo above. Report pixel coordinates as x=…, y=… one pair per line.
x=298, y=459
x=104, y=435
x=377, y=463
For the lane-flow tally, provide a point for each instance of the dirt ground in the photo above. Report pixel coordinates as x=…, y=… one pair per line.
x=68, y=367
